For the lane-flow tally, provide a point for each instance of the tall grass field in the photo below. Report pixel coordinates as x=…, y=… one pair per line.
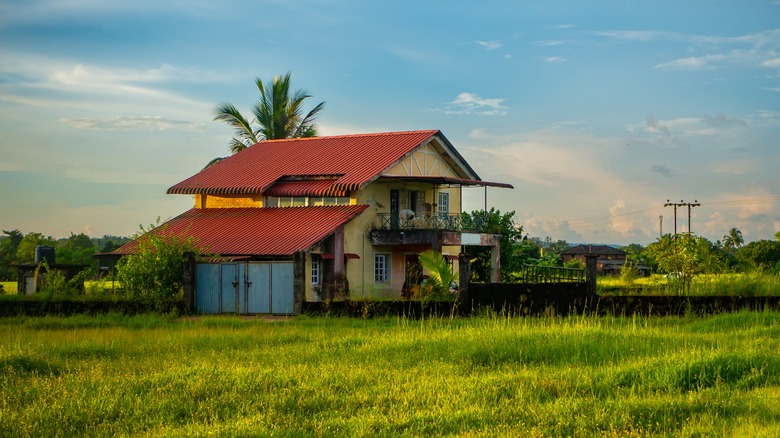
x=317, y=376
x=752, y=284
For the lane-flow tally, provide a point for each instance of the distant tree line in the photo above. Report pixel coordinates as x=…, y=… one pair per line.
x=685, y=254
x=19, y=248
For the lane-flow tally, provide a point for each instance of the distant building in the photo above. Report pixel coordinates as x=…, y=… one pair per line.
x=609, y=262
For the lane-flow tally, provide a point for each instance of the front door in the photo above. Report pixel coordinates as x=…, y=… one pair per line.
x=412, y=275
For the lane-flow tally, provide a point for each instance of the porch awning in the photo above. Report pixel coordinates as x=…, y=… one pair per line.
x=317, y=187
x=442, y=180
x=347, y=255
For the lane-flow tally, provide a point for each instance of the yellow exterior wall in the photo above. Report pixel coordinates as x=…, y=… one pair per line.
x=360, y=273
x=236, y=201
x=228, y=201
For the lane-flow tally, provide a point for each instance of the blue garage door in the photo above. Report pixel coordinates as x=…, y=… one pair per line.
x=245, y=288
x=257, y=298
x=207, y=287
x=282, y=288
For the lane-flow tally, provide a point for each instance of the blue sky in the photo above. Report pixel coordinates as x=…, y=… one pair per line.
x=597, y=112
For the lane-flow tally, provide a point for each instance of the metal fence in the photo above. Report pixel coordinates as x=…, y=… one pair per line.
x=550, y=274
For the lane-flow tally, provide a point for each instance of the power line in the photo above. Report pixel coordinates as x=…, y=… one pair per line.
x=594, y=221
x=758, y=200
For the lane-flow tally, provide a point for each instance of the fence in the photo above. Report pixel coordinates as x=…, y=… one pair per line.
x=550, y=274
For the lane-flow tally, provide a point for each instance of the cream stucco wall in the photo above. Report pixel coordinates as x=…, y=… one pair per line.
x=360, y=272
x=424, y=161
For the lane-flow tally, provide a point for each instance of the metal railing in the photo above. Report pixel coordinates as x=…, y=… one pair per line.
x=550, y=274
x=450, y=222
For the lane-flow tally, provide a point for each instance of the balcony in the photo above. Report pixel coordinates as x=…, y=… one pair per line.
x=447, y=222
x=434, y=230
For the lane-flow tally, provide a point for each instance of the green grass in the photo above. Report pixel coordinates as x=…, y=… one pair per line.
x=733, y=284
x=9, y=287
x=484, y=376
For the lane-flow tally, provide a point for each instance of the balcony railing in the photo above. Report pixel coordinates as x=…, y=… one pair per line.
x=449, y=222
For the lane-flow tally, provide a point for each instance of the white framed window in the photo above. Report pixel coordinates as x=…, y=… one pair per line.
x=315, y=271
x=381, y=268
x=305, y=201
x=444, y=204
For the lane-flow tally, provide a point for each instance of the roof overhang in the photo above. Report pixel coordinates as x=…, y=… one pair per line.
x=445, y=180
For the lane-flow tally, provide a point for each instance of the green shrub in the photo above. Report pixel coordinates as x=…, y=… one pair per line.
x=153, y=273
x=628, y=273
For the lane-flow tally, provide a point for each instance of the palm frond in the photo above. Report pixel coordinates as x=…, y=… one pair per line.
x=308, y=123
x=244, y=135
x=439, y=273
x=213, y=162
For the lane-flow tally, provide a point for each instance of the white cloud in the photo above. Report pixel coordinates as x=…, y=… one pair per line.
x=692, y=63
x=771, y=63
x=470, y=103
x=72, y=89
x=549, y=43
x=758, y=39
x=554, y=59
x=142, y=123
x=490, y=45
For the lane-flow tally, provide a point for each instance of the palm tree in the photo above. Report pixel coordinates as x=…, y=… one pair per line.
x=440, y=277
x=733, y=239
x=278, y=114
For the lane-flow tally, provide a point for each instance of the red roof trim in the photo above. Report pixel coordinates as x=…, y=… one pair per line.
x=256, y=231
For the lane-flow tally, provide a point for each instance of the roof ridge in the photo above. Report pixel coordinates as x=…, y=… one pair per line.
x=367, y=134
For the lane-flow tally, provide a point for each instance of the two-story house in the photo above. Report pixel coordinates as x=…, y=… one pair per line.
x=323, y=217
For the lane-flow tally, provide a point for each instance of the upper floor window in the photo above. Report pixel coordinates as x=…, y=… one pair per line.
x=305, y=201
x=444, y=204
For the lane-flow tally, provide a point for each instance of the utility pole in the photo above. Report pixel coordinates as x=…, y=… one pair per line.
x=661, y=225
x=675, y=205
x=694, y=204
x=682, y=203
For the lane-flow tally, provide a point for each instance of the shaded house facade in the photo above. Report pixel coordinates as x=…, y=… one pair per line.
x=340, y=216
x=609, y=262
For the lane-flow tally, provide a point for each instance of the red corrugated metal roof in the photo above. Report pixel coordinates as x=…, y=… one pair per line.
x=317, y=187
x=256, y=231
x=357, y=158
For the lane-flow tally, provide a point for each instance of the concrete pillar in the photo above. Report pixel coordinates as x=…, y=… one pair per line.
x=188, y=282
x=464, y=276
x=299, y=280
x=338, y=261
x=495, y=261
x=590, y=273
